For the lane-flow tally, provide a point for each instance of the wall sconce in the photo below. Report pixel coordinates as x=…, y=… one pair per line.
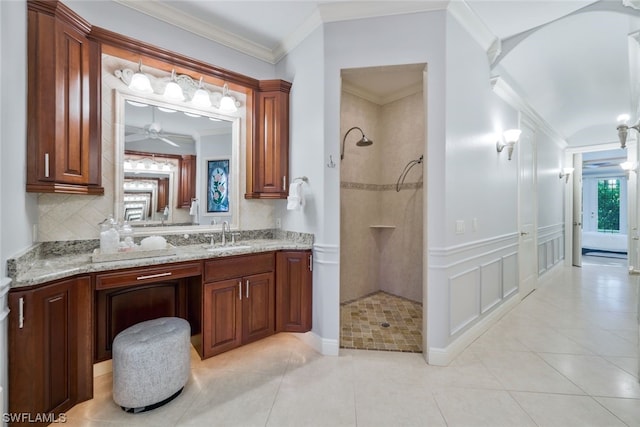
x=623, y=129
x=510, y=137
x=566, y=173
x=629, y=167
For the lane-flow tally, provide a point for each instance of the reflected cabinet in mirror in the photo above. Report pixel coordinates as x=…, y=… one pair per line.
x=176, y=164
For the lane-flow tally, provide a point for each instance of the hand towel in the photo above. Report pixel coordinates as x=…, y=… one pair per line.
x=193, y=210
x=295, y=201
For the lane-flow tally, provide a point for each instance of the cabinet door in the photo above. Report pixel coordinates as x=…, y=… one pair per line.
x=63, y=102
x=50, y=363
x=187, y=187
x=258, y=307
x=293, y=291
x=268, y=176
x=222, y=317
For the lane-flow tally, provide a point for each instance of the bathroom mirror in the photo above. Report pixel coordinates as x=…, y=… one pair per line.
x=175, y=165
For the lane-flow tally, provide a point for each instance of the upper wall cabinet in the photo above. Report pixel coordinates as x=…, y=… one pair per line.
x=269, y=154
x=63, y=132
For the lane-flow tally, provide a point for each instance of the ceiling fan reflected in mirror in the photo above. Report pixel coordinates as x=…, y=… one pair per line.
x=154, y=131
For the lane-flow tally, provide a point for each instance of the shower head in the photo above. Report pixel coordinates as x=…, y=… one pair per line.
x=363, y=142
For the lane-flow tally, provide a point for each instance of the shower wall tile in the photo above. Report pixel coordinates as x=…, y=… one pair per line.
x=359, y=252
x=401, y=272
x=402, y=131
x=382, y=259
x=360, y=164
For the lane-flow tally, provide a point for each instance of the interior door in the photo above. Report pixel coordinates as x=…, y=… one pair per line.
x=577, y=210
x=527, y=211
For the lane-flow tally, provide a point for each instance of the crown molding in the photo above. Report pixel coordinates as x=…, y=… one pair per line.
x=345, y=11
x=174, y=16
x=476, y=27
x=292, y=40
x=325, y=13
x=505, y=91
x=381, y=100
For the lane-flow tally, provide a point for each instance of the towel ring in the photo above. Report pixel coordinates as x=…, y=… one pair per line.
x=301, y=178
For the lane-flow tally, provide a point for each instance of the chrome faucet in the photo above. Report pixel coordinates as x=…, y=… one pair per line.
x=227, y=227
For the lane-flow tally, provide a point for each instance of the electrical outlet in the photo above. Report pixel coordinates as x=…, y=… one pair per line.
x=460, y=226
x=34, y=232
x=278, y=223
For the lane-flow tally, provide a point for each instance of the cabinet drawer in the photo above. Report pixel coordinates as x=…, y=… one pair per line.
x=147, y=275
x=244, y=265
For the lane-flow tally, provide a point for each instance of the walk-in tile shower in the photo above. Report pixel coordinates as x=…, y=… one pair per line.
x=381, y=209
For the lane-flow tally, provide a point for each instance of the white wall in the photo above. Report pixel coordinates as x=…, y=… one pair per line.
x=551, y=191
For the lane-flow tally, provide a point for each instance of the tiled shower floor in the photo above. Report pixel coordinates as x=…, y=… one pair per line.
x=363, y=323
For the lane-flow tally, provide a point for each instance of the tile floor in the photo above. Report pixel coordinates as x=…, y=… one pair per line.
x=381, y=321
x=566, y=356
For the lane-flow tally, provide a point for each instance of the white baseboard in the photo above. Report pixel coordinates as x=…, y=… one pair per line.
x=324, y=346
x=444, y=356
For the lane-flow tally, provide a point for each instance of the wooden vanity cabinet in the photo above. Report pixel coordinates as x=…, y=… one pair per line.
x=268, y=176
x=293, y=291
x=238, y=302
x=50, y=347
x=126, y=297
x=63, y=97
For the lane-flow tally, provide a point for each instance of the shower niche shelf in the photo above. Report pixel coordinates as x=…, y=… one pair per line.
x=382, y=227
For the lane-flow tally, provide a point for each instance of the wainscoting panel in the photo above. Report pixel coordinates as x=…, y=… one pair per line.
x=510, y=274
x=490, y=285
x=464, y=295
x=550, y=247
x=475, y=284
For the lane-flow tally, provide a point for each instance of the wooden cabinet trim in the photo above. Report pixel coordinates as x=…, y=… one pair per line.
x=238, y=266
x=144, y=275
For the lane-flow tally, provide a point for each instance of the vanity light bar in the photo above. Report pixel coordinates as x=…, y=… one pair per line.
x=180, y=88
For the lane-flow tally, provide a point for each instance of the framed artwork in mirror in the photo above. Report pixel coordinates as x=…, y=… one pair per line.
x=218, y=185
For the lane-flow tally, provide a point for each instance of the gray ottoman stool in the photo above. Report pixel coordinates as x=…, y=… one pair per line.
x=151, y=363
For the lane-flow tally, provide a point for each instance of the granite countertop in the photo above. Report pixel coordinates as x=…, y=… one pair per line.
x=30, y=270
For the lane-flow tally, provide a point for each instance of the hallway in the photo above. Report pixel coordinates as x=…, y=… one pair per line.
x=566, y=356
